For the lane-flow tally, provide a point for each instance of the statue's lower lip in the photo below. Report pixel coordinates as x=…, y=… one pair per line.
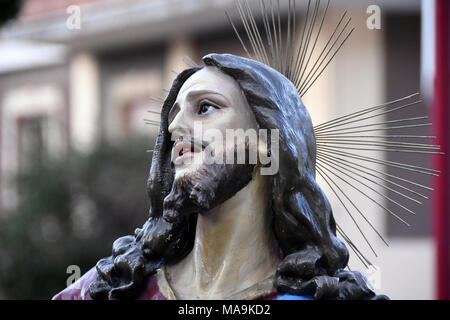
x=185, y=155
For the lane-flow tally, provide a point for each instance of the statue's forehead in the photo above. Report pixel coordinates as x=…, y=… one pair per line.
x=209, y=79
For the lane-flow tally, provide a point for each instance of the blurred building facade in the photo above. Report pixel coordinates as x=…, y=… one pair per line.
x=65, y=85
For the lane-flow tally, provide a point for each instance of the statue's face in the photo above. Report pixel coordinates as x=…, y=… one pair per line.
x=212, y=102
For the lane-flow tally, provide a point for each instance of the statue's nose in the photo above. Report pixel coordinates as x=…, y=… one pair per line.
x=180, y=125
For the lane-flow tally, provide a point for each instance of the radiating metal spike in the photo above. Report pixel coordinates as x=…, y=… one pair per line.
x=367, y=196
x=393, y=164
x=329, y=181
x=346, y=166
x=363, y=111
x=347, y=161
x=327, y=129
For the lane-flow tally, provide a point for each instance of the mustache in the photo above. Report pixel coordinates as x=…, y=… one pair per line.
x=192, y=141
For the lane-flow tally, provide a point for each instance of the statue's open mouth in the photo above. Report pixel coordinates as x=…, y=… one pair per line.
x=183, y=150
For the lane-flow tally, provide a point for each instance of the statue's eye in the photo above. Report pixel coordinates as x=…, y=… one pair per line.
x=205, y=107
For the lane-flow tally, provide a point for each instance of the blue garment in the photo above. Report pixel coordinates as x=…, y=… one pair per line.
x=294, y=297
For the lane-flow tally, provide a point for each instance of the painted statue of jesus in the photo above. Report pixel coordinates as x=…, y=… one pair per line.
x=230, y=218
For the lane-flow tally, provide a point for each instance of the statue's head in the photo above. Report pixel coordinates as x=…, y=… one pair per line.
x=194, y=169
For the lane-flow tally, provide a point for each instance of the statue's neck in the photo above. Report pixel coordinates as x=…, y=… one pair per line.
x=233, y=249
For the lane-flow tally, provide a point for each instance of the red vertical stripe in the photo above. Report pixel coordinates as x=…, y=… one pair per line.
x=441, y=119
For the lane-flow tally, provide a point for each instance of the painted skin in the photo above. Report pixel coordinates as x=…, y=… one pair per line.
x=234, y=246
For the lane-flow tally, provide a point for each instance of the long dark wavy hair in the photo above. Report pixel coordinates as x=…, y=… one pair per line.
x=313, y=258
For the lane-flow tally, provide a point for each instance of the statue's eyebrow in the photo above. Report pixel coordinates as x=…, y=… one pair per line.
x=196, y=93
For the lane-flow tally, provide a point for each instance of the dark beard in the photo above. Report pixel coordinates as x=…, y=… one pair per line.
x=204, y=189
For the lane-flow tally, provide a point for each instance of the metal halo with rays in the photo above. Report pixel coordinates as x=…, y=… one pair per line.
x=342, y=142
